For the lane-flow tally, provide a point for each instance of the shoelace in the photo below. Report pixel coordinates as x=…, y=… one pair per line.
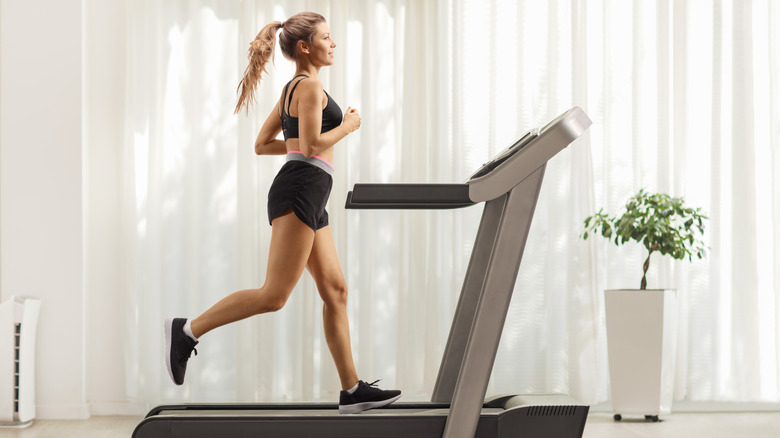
x=372, y=386
x=187, y=357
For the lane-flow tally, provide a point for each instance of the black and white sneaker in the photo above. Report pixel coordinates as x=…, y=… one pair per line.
x=366, y=396
x=178, y=348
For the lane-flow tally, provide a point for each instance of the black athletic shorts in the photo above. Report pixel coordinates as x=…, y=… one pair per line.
x=303, y=184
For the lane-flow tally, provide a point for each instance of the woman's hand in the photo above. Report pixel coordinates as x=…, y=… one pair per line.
x=352, y=120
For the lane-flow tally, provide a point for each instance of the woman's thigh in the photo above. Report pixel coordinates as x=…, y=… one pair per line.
x=324, y=266
x=291, y=246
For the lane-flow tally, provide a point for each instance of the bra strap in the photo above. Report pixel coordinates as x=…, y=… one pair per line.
x=288, y=98
x=284, y=99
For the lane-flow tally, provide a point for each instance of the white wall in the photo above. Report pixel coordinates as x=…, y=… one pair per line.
x=104, y=102
x=41, y=234
x=61, y=100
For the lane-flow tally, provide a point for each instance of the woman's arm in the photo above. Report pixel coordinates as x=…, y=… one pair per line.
x=311, y=141
x=266, y=142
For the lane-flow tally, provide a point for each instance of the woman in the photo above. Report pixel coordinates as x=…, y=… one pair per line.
x=300, y=238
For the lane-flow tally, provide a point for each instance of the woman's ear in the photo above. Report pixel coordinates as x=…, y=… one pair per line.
x=303, y=47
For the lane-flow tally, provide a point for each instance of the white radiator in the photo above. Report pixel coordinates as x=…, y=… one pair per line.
x=18, y=325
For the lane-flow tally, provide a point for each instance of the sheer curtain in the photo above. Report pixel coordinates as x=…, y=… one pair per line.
x=684, y=98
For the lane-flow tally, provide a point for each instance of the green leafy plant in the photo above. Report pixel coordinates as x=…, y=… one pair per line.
x=657, y=221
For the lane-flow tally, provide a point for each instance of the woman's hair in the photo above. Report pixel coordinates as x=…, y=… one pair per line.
x=299, y=27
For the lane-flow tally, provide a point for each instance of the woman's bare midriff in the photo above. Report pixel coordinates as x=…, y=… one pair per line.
x=293, y=146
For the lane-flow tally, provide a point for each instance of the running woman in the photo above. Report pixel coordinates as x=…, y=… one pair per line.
x=312, y=124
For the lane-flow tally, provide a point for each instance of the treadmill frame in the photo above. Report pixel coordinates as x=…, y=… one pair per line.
x=490, y=278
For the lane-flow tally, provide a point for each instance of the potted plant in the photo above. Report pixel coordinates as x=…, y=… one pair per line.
x=641, y=324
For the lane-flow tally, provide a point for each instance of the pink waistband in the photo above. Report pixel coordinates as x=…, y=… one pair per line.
x=314, y=159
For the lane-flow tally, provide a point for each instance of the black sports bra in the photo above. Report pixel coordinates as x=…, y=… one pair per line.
x=331, y=115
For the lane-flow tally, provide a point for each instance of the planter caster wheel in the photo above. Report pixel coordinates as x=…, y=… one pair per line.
x=617, y=417
x=653, y=418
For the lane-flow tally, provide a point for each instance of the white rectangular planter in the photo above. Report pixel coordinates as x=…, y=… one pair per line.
x=641, y=344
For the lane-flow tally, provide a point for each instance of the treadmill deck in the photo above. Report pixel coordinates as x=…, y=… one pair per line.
x=320, y=412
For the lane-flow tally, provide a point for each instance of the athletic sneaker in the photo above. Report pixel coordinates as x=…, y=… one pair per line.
x=178, y=348
x=366, y=396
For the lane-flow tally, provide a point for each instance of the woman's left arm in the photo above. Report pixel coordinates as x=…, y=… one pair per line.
x=266, y=142
x=311, y=141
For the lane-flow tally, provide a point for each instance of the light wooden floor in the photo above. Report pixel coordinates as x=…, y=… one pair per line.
x=599, y=425
x=685, y=425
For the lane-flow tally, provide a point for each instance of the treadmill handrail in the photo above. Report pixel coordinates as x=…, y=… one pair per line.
x=530, y=154
x=408, y=196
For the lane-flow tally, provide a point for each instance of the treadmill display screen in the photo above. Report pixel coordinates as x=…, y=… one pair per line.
x=506, y=153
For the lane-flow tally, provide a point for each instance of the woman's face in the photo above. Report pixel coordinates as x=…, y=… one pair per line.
x=321, y=52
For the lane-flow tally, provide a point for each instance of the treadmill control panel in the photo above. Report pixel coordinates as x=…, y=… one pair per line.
x=488, y=167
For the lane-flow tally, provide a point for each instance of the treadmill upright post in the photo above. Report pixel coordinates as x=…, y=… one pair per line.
x=452, y=359
x=516, y=212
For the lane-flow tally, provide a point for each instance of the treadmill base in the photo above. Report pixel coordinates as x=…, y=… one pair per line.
x=503, y=417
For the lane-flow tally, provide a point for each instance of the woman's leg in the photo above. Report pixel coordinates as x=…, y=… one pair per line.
x=291, y=244
x=325, y=268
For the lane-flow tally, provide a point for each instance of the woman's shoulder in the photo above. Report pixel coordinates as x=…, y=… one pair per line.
x=311, y=90
x=311, y=84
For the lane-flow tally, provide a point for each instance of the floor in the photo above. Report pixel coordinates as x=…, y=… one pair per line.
x=599, y=425
x=95, y=427
x=685, y=425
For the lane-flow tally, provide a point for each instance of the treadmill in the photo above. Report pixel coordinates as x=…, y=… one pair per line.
x=509, y=185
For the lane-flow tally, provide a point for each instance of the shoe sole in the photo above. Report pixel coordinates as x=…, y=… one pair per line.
x=168, y=336
x=360, y=407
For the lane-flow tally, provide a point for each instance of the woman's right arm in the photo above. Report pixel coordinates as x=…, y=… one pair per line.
x=266, y=142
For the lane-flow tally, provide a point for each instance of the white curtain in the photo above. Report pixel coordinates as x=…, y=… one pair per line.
x=685, y=99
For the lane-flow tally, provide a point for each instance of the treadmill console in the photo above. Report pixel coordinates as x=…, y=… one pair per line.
x=555, y=120
x=506, y=153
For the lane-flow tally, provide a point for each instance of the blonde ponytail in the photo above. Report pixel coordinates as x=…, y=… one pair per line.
x=299, y=27
x=261, y=49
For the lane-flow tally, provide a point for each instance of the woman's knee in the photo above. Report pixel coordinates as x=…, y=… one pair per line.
x=272, y=299
x=335, y=293
x=276, y=304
